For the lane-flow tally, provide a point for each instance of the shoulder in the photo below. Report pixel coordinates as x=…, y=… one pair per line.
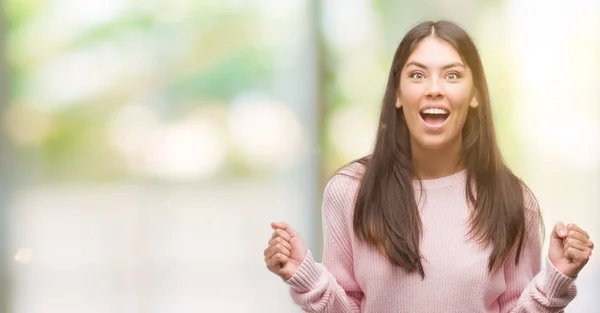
x=346, y=180
x=342, y=189
x=530, y=202
x=533, y=215
x=354, y=170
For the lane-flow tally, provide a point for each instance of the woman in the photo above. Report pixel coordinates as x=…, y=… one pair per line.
x=433, y=220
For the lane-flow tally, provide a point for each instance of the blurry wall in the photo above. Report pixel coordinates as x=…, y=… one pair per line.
x=154, y=142
x=151, y=143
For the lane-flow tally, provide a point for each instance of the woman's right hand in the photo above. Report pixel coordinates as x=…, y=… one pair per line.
x=285, y=252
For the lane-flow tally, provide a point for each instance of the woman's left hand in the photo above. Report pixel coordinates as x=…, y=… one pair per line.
x=570, y=249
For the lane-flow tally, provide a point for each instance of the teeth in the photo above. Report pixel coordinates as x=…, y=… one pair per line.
x=435, y=111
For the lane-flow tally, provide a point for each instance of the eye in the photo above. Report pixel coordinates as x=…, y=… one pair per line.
x=452, y=76
x=417, y=75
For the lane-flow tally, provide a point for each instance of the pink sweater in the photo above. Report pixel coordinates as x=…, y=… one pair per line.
x=354, y=278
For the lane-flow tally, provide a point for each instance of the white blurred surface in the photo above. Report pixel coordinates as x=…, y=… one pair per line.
x=125, y=248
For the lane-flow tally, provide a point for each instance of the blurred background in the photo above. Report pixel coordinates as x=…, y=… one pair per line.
x=147, y=145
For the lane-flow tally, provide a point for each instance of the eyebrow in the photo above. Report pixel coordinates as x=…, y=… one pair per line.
x=445, y=67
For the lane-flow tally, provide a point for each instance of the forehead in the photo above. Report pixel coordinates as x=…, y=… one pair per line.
x=433, y=51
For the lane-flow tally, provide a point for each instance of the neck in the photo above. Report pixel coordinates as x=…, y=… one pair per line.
x=432, y=164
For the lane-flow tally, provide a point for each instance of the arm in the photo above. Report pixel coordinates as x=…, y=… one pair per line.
x=331, y=286
x=527, y=288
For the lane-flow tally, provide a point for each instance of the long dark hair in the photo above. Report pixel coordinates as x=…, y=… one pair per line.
x=386, y=214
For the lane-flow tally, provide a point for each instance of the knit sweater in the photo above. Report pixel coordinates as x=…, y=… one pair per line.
x=356, y=278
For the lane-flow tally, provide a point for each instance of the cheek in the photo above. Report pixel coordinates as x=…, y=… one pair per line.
x=460, y=98
x=460, y=116
x=411, y=96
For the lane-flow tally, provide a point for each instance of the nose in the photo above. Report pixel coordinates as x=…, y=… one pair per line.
x=434, y=90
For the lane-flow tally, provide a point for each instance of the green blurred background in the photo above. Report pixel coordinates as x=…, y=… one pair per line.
x=147, y=145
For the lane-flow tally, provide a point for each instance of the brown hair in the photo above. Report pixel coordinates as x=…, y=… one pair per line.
x=386, y=214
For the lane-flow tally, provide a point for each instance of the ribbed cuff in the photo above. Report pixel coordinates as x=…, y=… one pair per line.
x=557, y=284
x=307, y=276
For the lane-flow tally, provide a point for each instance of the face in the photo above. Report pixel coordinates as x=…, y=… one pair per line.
x=436, y=91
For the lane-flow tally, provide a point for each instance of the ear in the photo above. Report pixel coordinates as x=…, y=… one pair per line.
x=474, y=103
x=398, y=103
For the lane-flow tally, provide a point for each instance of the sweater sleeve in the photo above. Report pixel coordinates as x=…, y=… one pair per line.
x=529, y=289
x=331, y=287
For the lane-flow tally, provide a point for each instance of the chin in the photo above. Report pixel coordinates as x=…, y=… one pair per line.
x=433, y=146
x=433, y=142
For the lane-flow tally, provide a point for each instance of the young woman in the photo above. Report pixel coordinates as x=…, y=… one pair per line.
x=433, y=220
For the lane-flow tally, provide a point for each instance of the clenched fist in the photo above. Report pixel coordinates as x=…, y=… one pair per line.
x=570, y=249
x=285, y=252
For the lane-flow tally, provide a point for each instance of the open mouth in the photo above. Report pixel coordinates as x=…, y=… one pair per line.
x=434, y=116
